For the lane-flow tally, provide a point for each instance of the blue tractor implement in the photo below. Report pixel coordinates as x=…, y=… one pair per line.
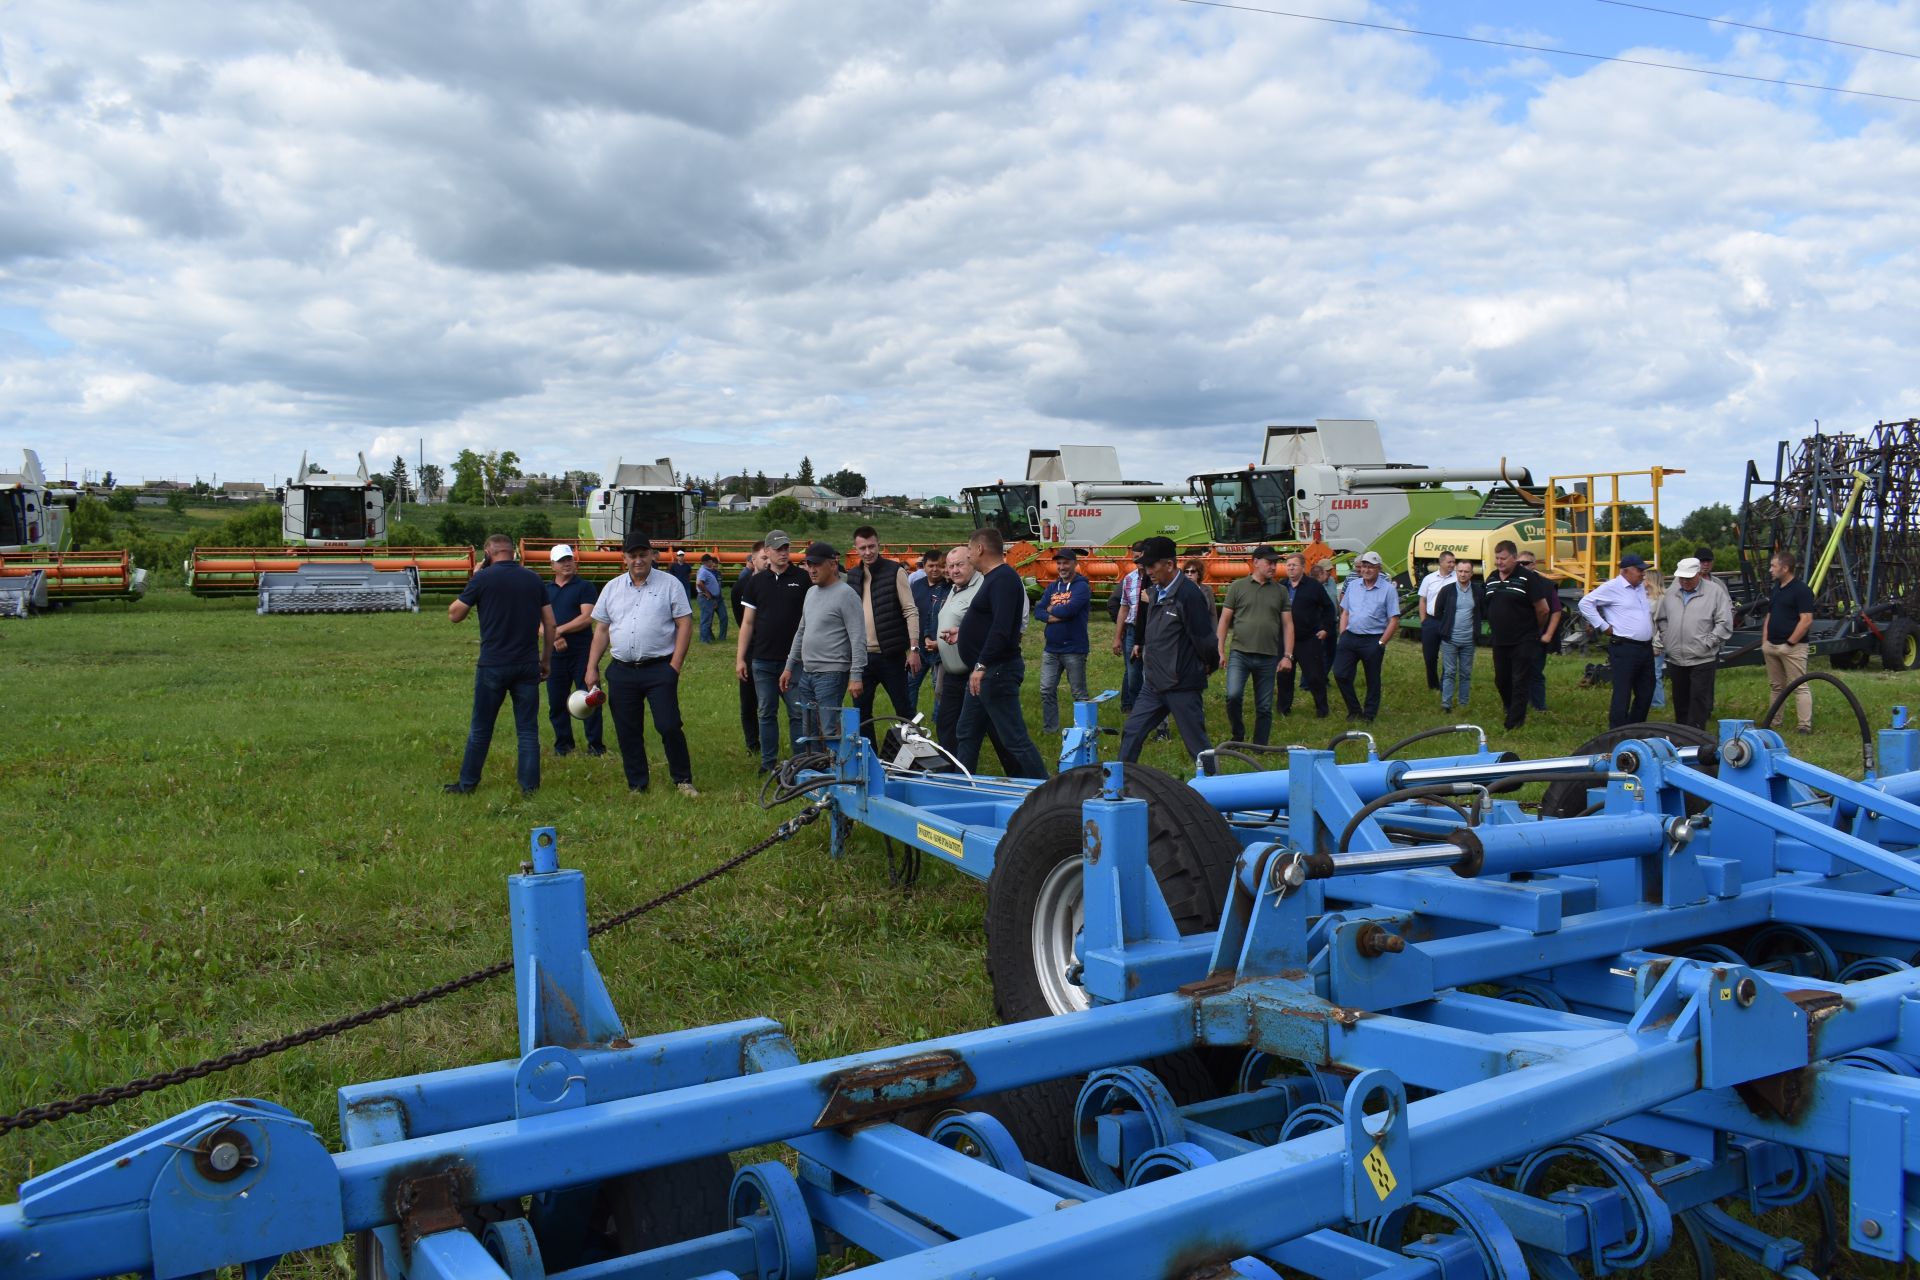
x=1362, y=1019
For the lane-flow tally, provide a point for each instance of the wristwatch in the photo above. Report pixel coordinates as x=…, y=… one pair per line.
x=979, y=666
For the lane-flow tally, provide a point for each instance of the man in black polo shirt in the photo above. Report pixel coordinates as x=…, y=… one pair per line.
x=571, y=598
x=771, y=605
x=1517, y=619
x=749, y=696
x=513, y=616
x=1784, y=643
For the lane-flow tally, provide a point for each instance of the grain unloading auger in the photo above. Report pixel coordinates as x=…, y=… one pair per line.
x=1343, y=1020
x=38, y=566
x=334, y=558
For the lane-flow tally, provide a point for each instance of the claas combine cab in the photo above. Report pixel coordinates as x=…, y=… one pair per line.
x=334, y=559
x=38, y=566
x=644, y=498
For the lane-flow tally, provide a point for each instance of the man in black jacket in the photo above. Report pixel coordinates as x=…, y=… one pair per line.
x=989, y=644
x=894, y=626
x=749, y=695
x=1175, y=639
x=1315, y=623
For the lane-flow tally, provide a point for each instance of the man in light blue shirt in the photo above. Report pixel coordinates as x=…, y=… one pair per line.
x=1369, y=617
x=706, y=585
x=1619, y=608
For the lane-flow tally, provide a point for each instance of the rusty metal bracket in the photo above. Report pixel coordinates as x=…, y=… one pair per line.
x=886, y=1088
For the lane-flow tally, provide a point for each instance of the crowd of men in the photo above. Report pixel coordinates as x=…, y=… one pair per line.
x=816, y=633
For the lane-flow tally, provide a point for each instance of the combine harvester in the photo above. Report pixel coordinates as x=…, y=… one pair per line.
x=38, y=566
x=645, y=498
x=1366, y=1019
x=335, y=559
x=1075, y=496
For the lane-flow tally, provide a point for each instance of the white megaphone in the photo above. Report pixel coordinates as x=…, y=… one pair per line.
x=581, y=703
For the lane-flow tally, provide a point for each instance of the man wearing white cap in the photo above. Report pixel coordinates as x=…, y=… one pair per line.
x=571, y=598
x=1690, y=624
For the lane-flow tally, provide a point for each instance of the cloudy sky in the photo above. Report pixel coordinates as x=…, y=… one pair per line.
x=919, y=238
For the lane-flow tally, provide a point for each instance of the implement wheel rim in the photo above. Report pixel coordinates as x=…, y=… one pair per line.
x=1058, y=915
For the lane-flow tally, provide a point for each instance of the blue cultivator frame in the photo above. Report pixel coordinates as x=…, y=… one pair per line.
x=1462, y=1041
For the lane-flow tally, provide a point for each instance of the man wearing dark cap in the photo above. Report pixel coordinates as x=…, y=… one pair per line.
x=770, y=614
x=1619, y=608
x=828, y=655
x=1063, y=611
x=643, y=619
x=1177, y=652
x=1256, y=616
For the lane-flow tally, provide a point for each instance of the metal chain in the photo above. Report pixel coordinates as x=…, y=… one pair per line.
x=31, y=1116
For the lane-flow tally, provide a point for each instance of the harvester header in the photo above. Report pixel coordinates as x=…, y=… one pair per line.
x=38, y=565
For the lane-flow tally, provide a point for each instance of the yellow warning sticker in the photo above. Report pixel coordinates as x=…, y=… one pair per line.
x=940, y=840
x=1379, y=1172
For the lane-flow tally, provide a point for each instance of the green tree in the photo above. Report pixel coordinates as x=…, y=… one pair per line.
x=781, y=513
x=806, y=472
x=1711, y=524
x=404, y=533
x=496, y=468
x=431, y=478
x=398, y=471
x=384, y=483
x=760, y=488
x=1632, y=520
x=847, y=483
x=315, y=469
x=120, y=500
x=940, y=512
x=177, y=502
x=536, y=524
x=92, y=525
x=469, y=479
x=106, y=481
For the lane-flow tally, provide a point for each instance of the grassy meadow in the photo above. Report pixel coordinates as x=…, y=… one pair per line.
x=223, y=827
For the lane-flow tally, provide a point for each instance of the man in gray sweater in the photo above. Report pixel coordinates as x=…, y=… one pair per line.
x=829, y=652
x=1690, y=626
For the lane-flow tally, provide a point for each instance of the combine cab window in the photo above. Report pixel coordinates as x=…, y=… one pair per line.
x=656, y=515
x=1013, y=509
x=13, y=519
x=337, y=515
x=1250, y=506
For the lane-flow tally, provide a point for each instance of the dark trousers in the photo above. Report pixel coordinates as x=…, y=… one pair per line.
x=1430, y=638
x=1152, y=707
x=1310, y=664
x=949, y=695
x=1130, y=678
x=888, y=671
x=1356, y=651
x=631, y=692
x=566, y=672
x=491, y=687
x=1514, y=667
x=750, y=710
x=998, y=705
x=1631, y=662
x=929, y=672
x=1692, y=693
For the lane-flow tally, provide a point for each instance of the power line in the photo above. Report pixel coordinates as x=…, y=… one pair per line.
x=1558, y=53
x=1753, y=26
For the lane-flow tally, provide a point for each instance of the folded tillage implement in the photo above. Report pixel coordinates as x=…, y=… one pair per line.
x=1358, y=1019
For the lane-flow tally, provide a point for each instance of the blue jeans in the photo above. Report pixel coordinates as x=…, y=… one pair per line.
x=491, y=687
x=710, y=610
x=1130, y=681
x=998, y=704
x=1259, y=667
x=766, y=684
x=1659, y=680
x=567, y=672
x=1052, y=667
x=1456, y=673
x=818, y=695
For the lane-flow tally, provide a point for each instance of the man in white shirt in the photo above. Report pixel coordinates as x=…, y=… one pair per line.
x=644, y=620
x=1124, y=640
x=1619, y=608
x=1433, y=630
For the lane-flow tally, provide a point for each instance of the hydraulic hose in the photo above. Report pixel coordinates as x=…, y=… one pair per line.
x=1437, y=792
x=1867, y=757
x=1438, y=731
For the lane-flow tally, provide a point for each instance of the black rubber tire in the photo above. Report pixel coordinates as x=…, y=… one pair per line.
x=1189, y=846
x=1848, y=660
x=1897, y=645
x=1568, y=799
x=663, y=1206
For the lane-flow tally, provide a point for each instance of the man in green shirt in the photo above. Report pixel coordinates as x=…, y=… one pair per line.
x=1257, y=613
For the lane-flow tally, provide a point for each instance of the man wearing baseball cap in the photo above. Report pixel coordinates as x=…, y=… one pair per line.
x=572, y=598
x=1690, y=625
x=1063, y=609
x=1177, y=652
x=1619, y=608
x=1369, y=618
x=828, y=657
x=1257, y=617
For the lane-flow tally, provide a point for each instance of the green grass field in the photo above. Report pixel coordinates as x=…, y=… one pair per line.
x=223, y=827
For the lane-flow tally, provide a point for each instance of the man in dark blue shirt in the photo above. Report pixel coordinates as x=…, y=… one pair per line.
x=1177, y=650
x=513, y=614
x=571, y=598
x=989, y=644
x=1063, y=610
x=1790, y=612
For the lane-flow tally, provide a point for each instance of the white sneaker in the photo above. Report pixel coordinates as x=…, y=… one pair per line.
x=686, y=789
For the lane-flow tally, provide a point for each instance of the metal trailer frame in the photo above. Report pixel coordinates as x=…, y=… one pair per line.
x=343, y=587
x=1416, y=1094
x=23, y=595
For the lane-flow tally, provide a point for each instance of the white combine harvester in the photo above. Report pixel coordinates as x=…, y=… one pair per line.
x=38, y=565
